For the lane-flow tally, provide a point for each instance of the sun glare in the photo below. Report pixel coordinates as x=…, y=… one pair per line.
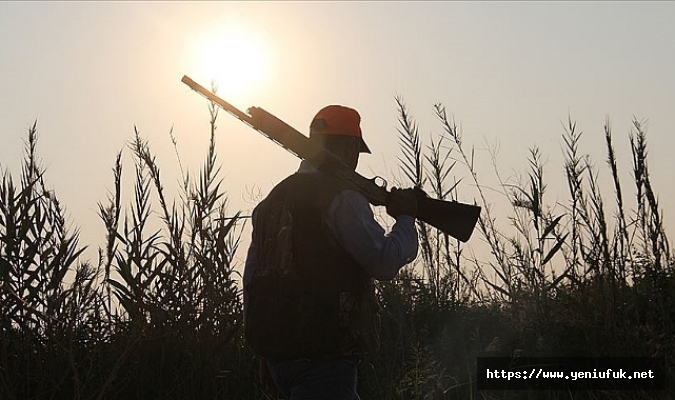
x=232, y=58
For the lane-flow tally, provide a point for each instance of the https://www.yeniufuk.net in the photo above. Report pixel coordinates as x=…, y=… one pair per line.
x=539, y=373
x=628, y=373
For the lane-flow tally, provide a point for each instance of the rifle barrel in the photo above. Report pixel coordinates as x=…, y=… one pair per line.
x=222, y=103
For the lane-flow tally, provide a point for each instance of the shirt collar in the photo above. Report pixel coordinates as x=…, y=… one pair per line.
x=306, y=167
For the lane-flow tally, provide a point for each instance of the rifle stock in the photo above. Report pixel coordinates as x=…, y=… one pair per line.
x=456, y=219
x=453, y=218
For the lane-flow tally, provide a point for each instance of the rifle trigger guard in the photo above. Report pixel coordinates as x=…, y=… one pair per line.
x=380, y=182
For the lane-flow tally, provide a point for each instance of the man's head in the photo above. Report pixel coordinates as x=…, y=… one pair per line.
x=338, y=130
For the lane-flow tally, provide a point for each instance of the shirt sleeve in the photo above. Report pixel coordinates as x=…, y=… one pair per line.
x=351, y=221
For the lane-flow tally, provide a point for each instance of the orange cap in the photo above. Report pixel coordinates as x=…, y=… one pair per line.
x=339, y=121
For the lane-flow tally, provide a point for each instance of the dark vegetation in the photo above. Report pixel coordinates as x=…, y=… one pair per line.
x=159, y=314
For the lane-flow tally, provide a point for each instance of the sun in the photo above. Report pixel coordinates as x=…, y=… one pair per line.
x=233, y=58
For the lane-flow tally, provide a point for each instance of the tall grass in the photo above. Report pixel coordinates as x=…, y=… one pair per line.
x=582, y=277
x=159, y=313
x=181, y=309
x=49, y=328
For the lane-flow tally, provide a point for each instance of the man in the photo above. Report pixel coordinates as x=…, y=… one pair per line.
x=309, y=301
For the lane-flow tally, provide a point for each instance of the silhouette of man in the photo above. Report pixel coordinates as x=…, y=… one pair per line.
x=309, y=299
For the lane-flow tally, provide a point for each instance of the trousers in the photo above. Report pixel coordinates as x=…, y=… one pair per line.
x=332, y=379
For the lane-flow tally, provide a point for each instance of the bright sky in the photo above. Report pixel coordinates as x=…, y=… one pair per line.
x=508, y=72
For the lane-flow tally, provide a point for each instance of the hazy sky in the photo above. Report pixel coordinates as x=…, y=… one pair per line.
x=510, y=73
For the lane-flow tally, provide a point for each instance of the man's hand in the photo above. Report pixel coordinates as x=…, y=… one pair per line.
x=402, y=202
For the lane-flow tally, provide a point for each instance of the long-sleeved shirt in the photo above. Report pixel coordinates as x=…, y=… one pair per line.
x=351, y=221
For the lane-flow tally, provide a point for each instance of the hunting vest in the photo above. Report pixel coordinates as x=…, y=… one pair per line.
x=307, y=297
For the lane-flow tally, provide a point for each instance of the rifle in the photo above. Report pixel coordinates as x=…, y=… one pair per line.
x=451, y=217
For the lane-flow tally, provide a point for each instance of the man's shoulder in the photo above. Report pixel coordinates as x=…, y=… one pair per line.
x=353, y=196
x=316, y=182
x=321, y=187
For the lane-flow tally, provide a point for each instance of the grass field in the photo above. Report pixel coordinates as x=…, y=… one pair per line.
x=159, y=314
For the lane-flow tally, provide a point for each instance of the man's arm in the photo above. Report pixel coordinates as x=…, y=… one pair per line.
x=352, y=223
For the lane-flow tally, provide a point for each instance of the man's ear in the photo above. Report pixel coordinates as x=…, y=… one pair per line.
x=318, y=125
